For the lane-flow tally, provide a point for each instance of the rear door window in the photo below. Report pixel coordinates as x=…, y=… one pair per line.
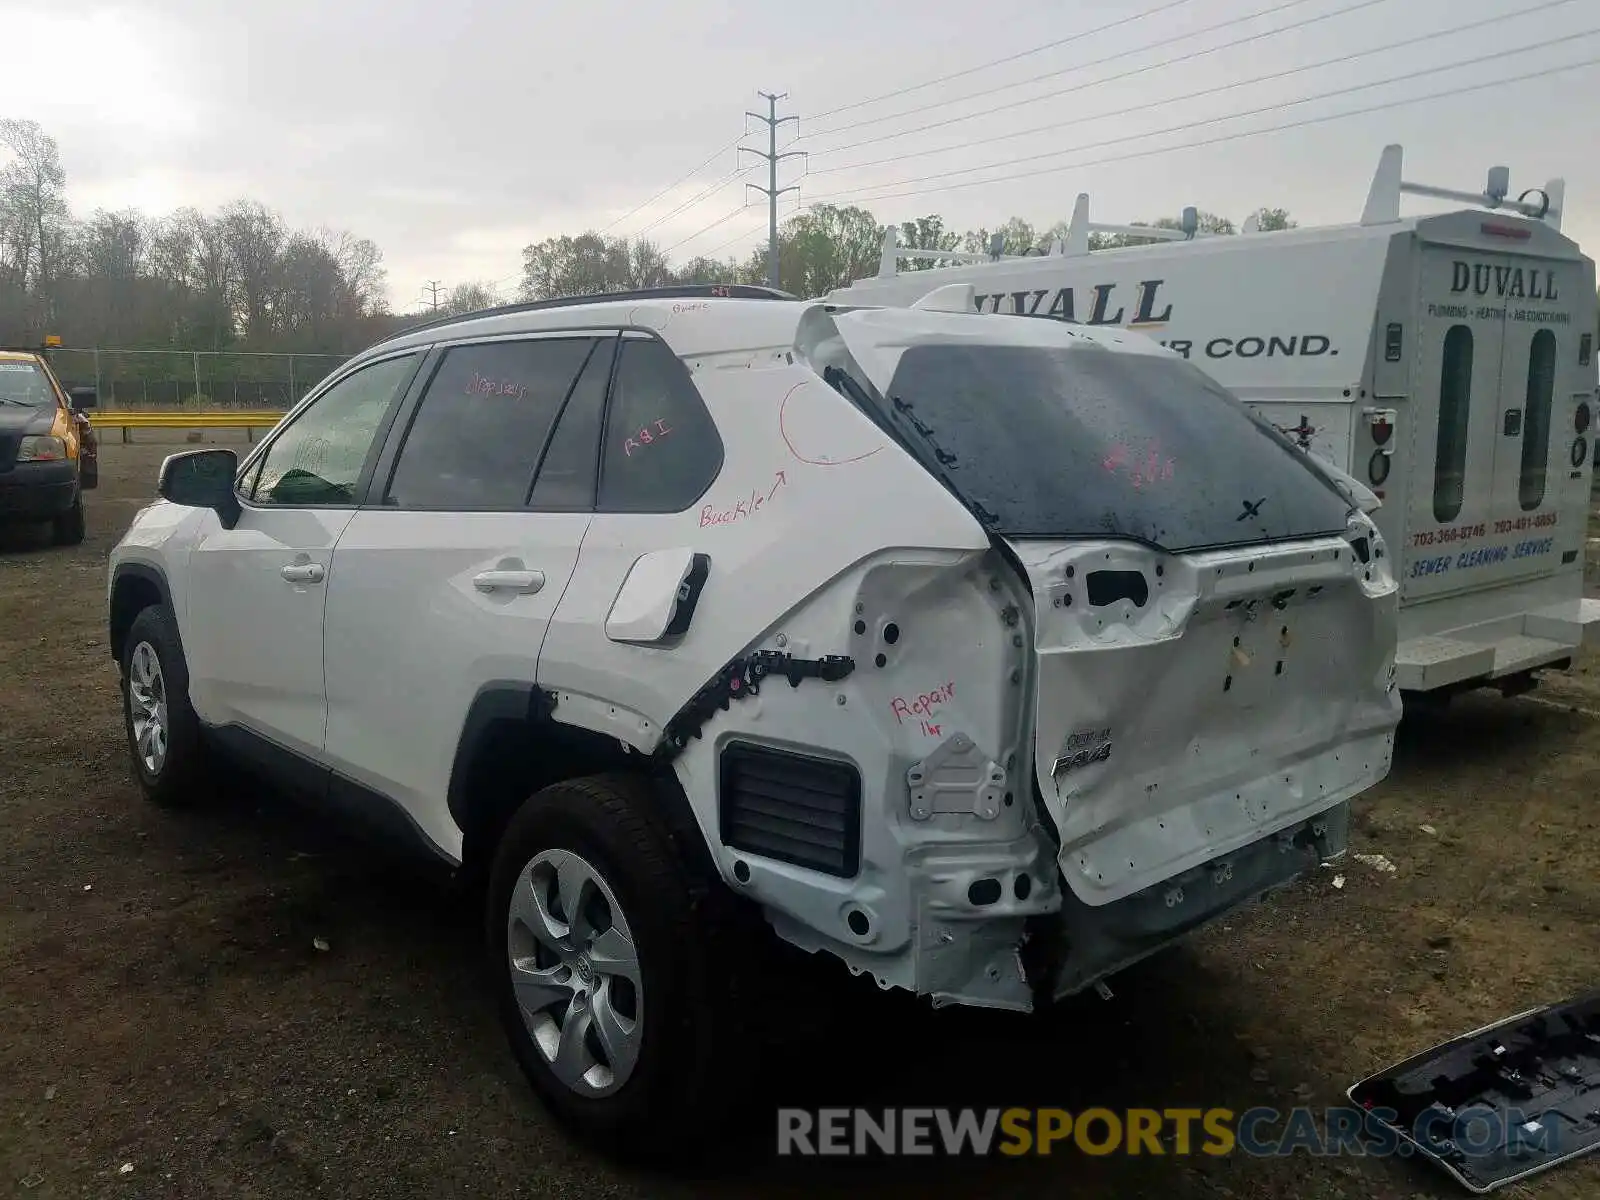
x=1080, y=441
x=570, y=468
x=481, y=426
x=1536, y=420
x=1455, y=411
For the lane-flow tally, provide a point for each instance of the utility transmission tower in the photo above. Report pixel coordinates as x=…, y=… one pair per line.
x=772, y=191
x=432, y=286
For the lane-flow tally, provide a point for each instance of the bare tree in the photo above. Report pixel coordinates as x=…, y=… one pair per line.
x=254, y=236
x=33, y=214
x=470, y=297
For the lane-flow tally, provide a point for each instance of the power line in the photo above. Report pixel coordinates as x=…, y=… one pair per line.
x=1193, y=124
x=721, y=246
x=1499, y=81
x=709, y=159
x=736, y=173
x=772, y=157
x=1096, y=62
x=1079, y=119
x=707, y=229
x=915, y=87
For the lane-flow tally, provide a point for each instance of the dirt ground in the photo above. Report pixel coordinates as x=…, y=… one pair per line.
x=167, y=1027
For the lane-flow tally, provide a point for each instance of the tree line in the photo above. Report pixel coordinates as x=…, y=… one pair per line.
x=823, y=248
x=241, y=279
x=236, y=279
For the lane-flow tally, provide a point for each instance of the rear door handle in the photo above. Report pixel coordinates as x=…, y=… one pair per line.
x=524, y=583
x=303, y=573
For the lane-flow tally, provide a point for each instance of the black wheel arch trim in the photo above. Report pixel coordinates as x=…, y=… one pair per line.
x=515, y=701
x=148, y=574
x=496, y=701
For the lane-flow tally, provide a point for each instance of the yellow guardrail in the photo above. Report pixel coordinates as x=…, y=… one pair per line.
x=212, y=419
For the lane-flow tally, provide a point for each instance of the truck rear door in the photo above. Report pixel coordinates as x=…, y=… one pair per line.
x=1495, y=379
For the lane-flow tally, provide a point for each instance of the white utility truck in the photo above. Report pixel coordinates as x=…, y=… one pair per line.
x=1448, y=361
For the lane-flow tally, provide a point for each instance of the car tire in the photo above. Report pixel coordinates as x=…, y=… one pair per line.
x=163, y=732
x=675, y=1010
x=70, y=527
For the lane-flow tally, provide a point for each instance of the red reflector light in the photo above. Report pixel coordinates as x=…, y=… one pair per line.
x=1381, y=431
x=1506, y=231
x=1580, y=419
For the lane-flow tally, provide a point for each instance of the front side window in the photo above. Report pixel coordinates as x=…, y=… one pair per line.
x=318, y=459
x=1080, y=441
x=662, y=450
x=1536, y=419
x=481, y=426
x=1455, y=408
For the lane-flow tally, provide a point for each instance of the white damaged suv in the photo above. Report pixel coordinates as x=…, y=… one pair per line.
x=987, y=655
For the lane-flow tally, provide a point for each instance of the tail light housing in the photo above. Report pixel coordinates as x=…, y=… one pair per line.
x=1380, y=425
x=1582, y=417
x=1378, y=467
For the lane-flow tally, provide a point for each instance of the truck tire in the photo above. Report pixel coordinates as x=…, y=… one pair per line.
x=615, y=979
x=69, y=528
x=163, y=732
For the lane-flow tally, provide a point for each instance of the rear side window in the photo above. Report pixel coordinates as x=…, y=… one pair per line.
x=1455, y=406
x=1536, y=419
x=482, y=424
x=1082, y=441
x=661, y=450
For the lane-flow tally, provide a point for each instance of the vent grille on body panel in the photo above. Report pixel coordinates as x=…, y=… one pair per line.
x=792, y=808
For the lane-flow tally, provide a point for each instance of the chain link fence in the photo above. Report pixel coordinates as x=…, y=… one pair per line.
x=178, y=380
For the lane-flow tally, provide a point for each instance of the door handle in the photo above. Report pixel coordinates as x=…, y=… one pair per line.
x=524, y=583
x=303, y=573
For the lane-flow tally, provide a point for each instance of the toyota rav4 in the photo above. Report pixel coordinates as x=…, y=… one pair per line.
x=987, y=655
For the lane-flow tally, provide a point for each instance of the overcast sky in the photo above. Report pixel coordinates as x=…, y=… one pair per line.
x=453, y=135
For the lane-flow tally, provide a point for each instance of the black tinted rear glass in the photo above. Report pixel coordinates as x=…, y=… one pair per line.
x=1082, y=441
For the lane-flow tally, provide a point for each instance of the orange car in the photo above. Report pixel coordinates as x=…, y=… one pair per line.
x=49, y=455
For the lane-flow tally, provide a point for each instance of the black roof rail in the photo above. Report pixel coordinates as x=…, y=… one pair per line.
x=683, y=291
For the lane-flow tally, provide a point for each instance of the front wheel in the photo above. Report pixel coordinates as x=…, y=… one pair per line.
x=614, y=980
x=163, y=732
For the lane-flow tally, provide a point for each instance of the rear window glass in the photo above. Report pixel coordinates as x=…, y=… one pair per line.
x=1084, y=442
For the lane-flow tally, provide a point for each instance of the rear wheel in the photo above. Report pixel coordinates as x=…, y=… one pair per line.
x=615, y=980
x=69, y=528
x=163, y=732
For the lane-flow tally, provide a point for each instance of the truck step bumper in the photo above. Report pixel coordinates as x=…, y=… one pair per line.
x=1548, y=635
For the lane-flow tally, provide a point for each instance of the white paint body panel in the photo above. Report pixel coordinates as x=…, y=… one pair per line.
x=254, y=639
x=1225, y=716
x=1294, y=323
x=826, y=537
x=411, y=639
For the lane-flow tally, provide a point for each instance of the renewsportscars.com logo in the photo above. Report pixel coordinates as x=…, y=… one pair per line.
x=1258, y=1132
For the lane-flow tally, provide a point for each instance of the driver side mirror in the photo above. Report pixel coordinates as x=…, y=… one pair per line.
x=202, y=479
x=83, y=397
